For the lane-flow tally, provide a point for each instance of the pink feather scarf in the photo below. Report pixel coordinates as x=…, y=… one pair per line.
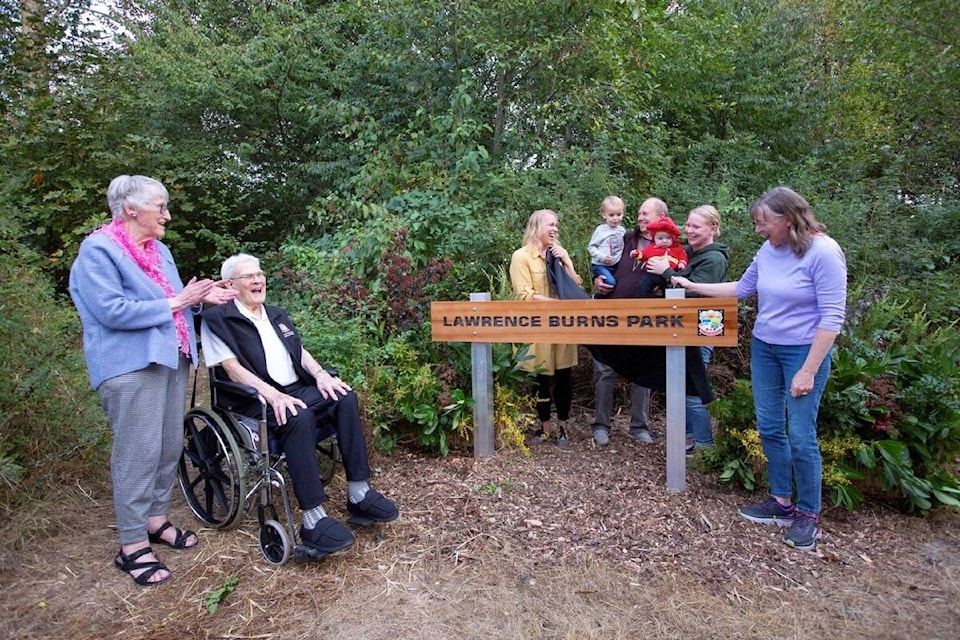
x=148, y=259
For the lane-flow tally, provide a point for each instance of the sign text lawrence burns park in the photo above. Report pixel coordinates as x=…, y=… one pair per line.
x=640, y=321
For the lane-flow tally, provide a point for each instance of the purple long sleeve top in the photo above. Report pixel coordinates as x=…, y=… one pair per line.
x=797, y=296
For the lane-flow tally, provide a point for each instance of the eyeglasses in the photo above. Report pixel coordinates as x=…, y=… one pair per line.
x=249, y=276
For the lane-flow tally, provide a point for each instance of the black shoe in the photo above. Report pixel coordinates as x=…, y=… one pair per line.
x=328, y=536
x=374, y=507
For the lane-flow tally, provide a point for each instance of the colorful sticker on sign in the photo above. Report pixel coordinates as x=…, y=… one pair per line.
x=710, y=322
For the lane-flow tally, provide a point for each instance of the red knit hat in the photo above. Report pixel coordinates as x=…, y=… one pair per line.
x=665, y=224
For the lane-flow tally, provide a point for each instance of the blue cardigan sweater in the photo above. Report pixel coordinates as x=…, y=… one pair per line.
x=127, y=322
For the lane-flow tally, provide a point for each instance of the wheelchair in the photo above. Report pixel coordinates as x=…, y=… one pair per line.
x=228, y=457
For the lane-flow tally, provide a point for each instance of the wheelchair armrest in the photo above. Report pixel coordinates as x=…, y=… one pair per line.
x=227, y=394
x=246, y=390
x=220, y=384
x=235, y=388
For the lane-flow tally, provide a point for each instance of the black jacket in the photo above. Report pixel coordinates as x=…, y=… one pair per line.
x=641, y=364
x=239, y=333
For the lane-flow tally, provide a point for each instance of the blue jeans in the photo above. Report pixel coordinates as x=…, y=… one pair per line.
x=605, y=271
x=788, y=425
x=698, y=419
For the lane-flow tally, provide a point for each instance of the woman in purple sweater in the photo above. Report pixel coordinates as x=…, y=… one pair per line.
x=800, y=278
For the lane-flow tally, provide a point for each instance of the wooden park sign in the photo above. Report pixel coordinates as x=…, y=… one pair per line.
x=649, y=321
x=675, y=322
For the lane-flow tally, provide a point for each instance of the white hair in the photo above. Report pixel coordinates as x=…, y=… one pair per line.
x=132, y=191
x=229, y=267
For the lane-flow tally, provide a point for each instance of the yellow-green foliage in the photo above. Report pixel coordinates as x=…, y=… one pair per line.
x=749, y=439
x=834, y=450
x=511, y=414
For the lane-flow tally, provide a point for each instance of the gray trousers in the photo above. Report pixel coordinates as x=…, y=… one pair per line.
x=145, y=409
x=604, y=379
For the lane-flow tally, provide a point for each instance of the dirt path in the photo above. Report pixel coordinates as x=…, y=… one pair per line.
x=582, y=543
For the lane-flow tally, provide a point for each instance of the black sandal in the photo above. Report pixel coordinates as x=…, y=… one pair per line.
x=128, y=564
x=179, y=542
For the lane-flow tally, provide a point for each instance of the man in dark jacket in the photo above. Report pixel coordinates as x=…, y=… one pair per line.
x=627, y=279
x=257, y=345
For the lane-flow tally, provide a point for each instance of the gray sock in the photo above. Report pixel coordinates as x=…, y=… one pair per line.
x=313, y=516
x=357, y=490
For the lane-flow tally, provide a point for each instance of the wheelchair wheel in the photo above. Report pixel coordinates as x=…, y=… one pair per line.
x=211, y=469
x=328, y=457
x=275, y=544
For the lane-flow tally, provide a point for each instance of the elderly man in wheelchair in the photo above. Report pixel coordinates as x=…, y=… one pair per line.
x=256, y=345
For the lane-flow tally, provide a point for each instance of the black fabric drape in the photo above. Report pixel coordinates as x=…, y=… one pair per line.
x=565, y=287
x=641, y=364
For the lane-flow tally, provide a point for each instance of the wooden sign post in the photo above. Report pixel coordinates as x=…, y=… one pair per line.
x=675, y=322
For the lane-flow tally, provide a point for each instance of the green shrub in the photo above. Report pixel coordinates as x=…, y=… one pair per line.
x=408, y=399
x=52, y=430
x=737, y=453
x=375, y=329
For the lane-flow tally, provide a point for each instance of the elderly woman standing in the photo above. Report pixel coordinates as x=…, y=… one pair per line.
x=800, y=278
x=552, y=363
x=707, y=263
x=138, y=341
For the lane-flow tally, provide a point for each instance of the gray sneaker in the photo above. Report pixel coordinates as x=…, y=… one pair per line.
x=601, y=437
x=768, y=512
x=804, y=531
x=641, y=435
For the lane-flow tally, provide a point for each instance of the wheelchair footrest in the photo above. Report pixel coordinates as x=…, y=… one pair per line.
x=308, y=553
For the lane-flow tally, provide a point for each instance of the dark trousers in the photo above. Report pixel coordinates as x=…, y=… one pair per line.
x=562, y=393
x=649, y=284
x=299, y=436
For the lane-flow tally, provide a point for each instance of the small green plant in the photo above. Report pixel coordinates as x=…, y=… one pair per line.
x=737, y=453
x=506, y=365
x=213, y=599
x=10, y=472
x=840, y=472
x=738, y=470
x=845, y=493
x=493, y=488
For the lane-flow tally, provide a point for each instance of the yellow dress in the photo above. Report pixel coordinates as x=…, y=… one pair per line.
x=528, y=275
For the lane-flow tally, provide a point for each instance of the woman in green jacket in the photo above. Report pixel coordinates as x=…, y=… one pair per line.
x=708, y=263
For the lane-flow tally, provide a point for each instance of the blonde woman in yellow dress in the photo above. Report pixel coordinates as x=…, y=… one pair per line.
x=552, y=363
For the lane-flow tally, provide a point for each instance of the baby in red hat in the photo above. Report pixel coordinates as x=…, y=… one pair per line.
x=665, y=246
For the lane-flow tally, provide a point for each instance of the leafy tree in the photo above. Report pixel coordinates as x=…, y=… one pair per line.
x=54, y=123
x=893, y=69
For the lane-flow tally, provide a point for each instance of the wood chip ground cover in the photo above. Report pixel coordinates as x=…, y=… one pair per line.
x=577, y=543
